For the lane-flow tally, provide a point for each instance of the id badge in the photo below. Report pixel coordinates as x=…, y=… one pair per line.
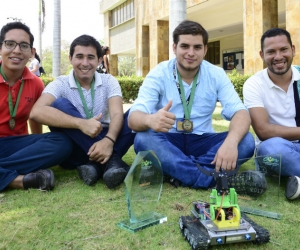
x=184, y=125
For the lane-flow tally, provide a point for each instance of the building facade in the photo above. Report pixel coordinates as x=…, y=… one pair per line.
x=141, y=28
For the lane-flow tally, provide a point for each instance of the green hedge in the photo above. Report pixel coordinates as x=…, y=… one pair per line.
x=130, y=84
x=238, y=81
x=46, y=79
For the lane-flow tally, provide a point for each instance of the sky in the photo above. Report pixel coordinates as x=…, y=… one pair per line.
x=77, y=18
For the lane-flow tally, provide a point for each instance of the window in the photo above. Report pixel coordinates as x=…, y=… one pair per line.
x=122, y=13
x=213, y=52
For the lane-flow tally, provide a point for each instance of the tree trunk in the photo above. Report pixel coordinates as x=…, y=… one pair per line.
x=56, y=39
x=40, y=30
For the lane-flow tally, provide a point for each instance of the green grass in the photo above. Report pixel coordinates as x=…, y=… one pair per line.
x=76, y=216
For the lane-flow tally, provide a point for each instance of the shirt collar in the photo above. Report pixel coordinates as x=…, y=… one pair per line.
x=295, y=76
x=175, y=72
x=72, y=82
x=26, y=75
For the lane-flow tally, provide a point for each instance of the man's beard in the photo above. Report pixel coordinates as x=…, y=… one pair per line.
x=289, y=63
x=191, y=69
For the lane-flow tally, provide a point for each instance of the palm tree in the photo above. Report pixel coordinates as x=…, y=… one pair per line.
x=177, y=13
x=41, y=25
x=56, y=39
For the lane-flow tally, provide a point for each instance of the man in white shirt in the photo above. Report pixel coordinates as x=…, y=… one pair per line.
x=272, y=97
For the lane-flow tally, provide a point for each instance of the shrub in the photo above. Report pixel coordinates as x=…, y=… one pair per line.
x=46, y=79
x=238, y=81
x=130, y=86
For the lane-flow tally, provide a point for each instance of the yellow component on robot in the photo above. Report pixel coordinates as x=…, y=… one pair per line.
x=232, y=222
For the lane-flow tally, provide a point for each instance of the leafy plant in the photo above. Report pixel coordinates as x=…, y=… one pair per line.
x=238, y=81
x=130, y=87
x=46, y=79
x=126, y=65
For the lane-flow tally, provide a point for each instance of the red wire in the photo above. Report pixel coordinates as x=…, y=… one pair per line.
x=221, y=205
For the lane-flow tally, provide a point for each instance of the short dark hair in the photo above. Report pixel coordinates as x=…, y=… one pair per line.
x=37, y=57
x=275, y=32
x=86, y=40
x=15, y=25
x=188, y=27
x=104, y=50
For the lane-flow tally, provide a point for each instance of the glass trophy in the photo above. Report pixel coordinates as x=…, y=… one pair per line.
x=143, y=188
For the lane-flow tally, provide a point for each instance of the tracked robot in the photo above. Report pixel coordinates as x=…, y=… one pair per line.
x=220, y=221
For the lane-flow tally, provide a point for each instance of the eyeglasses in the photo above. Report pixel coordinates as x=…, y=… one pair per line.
x=12, y=45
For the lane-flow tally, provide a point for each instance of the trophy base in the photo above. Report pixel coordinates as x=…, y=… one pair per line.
x=134, y=227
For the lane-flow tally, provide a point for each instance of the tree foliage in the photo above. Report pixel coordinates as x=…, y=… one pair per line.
x=126, y=65
x=47, y=59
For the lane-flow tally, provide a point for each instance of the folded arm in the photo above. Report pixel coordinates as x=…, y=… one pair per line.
x=35, y=127
x=43, y=113
x=265, y=130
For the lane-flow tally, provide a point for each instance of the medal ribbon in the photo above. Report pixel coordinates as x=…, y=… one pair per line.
x=12, y=110
x=88, y=114
x=187, y=105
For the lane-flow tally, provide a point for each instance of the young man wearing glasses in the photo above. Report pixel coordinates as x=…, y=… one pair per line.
x=24, y=158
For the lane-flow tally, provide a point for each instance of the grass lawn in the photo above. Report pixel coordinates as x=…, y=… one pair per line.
x=76, y=216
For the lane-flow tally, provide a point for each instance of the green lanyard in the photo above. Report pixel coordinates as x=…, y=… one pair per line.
x=88, y=114
x=12, y=110
x=187, y=107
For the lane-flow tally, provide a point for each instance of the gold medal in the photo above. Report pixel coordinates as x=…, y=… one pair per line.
x=12, y=123
x=187, y=125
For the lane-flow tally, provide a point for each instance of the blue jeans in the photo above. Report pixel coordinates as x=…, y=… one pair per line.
x=290, y=154
x=179, y=153
x=82, y=142
x=20, y=155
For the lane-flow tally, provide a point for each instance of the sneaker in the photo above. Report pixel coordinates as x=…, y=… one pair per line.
x=292, y=190
x=42, y=179
x=115, y=171
x=88, y=174
x=249, y=182
x=174, y=182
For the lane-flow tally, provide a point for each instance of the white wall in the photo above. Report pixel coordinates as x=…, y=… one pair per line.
x=122, y=38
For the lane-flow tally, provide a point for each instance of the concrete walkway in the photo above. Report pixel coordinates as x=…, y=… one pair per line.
x=126, y=106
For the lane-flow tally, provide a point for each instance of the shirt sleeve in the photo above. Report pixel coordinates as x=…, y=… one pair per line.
x=148, y=99
x=54, y=88
x=253, y=96
x=114, y=86
x=228, y=97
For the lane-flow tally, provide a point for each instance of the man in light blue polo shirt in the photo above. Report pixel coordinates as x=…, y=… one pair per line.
x=174, y=108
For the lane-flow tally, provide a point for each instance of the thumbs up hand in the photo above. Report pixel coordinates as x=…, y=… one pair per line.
x=162, y=120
